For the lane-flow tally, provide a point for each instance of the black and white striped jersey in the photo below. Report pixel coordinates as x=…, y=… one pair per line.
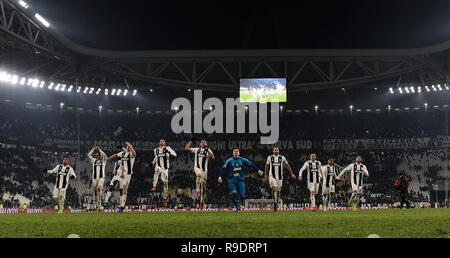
x=276, y=166
x=358, y=171
x=162, y=155
x=63, y=174
x=329, y=175
x=98, y=166
x=201, y=158
x=312, y=169
x=126, y=159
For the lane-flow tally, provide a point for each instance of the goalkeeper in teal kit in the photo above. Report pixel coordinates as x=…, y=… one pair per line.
x=235, y=167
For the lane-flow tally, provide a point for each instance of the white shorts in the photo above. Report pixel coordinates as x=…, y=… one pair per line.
x=313, y=187
x=125, y=178
x=328, y=190
x=275, y=183
x=114, y=179
x=124, y=181
x=59, y=193
x=98, y=183
x=164, y=174
x=356, y=188
x=203, y=174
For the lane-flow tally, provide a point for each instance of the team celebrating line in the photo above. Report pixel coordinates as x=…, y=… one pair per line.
x=233, y=169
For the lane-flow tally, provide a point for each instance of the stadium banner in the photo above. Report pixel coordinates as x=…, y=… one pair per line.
x=144, y=146
x=377, y=144
x=442, y=141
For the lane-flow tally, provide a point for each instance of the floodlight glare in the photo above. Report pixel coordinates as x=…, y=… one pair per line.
x=23, y=4
x=42, y=20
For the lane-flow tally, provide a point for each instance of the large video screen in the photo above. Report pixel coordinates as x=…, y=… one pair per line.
x=263, y=90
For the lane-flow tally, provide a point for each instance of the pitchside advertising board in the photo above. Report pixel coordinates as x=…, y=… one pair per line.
x=293, y=207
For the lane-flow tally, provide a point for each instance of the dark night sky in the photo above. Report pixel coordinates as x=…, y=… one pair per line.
x=248, y=24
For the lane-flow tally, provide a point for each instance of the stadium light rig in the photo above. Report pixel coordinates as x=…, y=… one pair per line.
x=15, y=79
x=42, y=20
x=419, y=89
x=24, y=4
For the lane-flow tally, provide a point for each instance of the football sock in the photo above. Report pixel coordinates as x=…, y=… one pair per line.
x=61, y=203
x=123, y=199
x=166, y=191
x=108, y=195
x=275, y=197
x=155, y=179
x=313, y=201
x=236, y=201
x=197, y=184
x=202, y=195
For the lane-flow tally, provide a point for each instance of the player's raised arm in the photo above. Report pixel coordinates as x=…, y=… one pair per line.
x=172, y=152
x=72, y=173
x=348, y=168
x=249, y=163
x=51, y=171
x=189, y=144
x=133, y=152
x=300, y=173
x=113, y=156
x=365, y=171
x=90, y=153
x=210, y=153
x=102, y=153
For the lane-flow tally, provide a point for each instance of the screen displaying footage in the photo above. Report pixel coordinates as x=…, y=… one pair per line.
x=263, y=90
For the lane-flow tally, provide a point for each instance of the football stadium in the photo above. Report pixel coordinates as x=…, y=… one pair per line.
x=150, y=126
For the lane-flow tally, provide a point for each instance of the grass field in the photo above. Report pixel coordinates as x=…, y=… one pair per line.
x=427, y=223
x=247, y=97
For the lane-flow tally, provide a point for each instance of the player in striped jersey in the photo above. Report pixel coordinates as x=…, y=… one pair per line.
x=312, y=167
x=126, y=161
x=329, y=175
x=63, y=173
x=275, y=164
x=201, y=158
x=114, y=181
x=358, y=171
x=162, y=164
x=98, y=174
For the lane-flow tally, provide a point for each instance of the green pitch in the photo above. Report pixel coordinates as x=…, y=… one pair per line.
x=247, y=97
x=428, y=223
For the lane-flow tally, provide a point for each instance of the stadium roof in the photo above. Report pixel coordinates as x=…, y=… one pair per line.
x=250, y=24
x=33, y=46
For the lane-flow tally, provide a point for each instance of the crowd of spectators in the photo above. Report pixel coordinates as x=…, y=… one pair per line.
x=26, y=152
